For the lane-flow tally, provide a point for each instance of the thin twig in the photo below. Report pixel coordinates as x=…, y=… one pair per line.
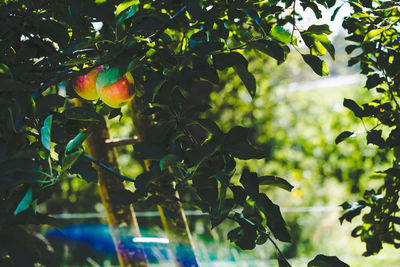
x=95, y=161
x=279, y=251
x=294, y=21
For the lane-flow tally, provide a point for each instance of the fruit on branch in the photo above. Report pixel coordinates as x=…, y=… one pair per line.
x=119, y=93
x=85, y=85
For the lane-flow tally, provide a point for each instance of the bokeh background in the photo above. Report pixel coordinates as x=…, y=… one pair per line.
x=296, y=117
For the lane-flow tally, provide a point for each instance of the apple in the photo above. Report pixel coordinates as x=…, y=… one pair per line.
x=85, y=85
x=119, y=93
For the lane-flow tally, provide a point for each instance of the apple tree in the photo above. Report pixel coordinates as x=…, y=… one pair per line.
x=167, y=47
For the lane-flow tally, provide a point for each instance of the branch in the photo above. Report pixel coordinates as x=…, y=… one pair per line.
x=121, y=141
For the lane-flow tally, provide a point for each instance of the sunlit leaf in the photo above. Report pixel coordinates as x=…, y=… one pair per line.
x=45, y=132
x=25, y=202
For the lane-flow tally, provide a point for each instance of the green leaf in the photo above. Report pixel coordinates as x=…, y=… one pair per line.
x=77, y=141
x=247, y=78
x=70, y=159
x=126, y=15
x=270, y=48
x=169, y=161
x=243, y=150
x=275, y=221
x=250, y=182
x=236, y=135
x=275, y=181
x=239, y=194
x=343, y=136
x=45, y=132
x=125, y=5
x=83, y=167
x=373, y=81
x=318, y=65
x=373, y=33
x=353, y=106
x=324, y=40
x=108, y=77
x=281, y=34
x=25, y=202
x=353, y=211
x=326, y=261
x=227, y=60
x=393, y=171
x=375, y=137
x=4, y=70
x=319, y=29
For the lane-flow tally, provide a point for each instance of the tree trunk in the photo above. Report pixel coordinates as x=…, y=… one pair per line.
x=121, y=217
x=175, y=224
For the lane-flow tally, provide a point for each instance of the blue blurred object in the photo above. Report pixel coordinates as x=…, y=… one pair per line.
x=95, y=241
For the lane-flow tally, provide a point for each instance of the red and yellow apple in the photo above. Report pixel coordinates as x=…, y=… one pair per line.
x=119, y=93
x=85, y=85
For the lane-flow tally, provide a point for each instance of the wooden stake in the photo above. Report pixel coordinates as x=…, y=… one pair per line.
x=121, y=218
x=175, y=225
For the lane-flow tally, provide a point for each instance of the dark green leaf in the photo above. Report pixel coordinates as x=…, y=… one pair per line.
x=275, y=181
x=270, y=48
x=49, y=102
x=275, y=221
x=352, y=212
x=236, y=135
x=352, y=105
x=70, y=159
x=319, y=29
x=393, y=171
x=83, y=167
x=250, y=182
x=239, y=194
x=373, y=81
x=326, y=261
x=375, y=137
x=169, y=160
x=343, y=136
x=247, y=78
x=318, y=65
x=227, y=60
